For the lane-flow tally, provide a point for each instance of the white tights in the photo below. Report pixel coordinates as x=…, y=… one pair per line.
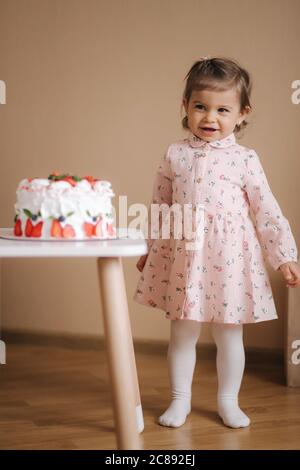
x=181, y=364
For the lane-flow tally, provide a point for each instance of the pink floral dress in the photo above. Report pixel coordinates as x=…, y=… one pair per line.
x=224, y=279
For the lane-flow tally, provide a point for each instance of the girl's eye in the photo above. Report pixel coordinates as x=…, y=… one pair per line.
x=224, y=109
x=199, y=106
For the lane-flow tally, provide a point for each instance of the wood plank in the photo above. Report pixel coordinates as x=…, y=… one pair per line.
x=56, y=398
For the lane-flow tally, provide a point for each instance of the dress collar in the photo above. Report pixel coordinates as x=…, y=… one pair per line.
x=195, y=141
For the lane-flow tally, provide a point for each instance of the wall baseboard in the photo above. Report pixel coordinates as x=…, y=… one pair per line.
x=157, y=347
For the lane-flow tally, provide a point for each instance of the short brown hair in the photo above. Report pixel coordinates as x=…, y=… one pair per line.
x=219, y=74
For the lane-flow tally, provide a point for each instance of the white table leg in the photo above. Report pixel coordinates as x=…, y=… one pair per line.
x=120, y=351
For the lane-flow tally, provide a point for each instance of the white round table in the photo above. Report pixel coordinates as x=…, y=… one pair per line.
x=119, y=344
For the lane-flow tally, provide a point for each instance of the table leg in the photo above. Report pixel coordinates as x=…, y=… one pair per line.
x=137, y=397
x=120, y=350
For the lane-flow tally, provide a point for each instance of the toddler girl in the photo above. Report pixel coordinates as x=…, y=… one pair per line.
x=219, y=274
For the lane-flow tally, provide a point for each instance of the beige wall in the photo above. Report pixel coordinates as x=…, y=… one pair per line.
x=94, y=87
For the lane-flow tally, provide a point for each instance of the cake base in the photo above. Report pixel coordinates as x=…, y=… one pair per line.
x=8, y=233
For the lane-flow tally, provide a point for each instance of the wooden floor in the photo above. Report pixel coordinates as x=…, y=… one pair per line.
x=55, y=398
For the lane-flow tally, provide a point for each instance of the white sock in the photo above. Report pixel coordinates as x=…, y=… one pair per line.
x=181, y=365
x=230, y=369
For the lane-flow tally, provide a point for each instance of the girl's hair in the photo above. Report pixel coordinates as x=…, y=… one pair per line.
x=218, y=74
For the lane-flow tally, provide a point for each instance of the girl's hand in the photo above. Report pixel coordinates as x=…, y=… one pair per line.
x=291, y=273
x=141, y=262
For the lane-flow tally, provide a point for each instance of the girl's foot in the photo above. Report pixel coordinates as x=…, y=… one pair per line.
x=176, y=414
x=231, y=413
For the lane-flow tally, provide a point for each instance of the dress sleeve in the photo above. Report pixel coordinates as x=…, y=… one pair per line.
x=161, y=194
x=272, y=228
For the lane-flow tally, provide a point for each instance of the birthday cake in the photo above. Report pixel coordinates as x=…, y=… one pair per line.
x=64, y=206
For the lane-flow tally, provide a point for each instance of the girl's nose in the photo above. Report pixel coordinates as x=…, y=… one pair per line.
x=210, y=116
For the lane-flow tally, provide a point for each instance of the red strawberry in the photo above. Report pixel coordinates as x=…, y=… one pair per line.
x=70, y=180
x=37, y=230
x=56, y=229
x=90, y=179
x=68, y=232
x=98, y=229
x=18, y=228
x=94, y=182
x=88, y=229
x=28, y=228
x=111, y=230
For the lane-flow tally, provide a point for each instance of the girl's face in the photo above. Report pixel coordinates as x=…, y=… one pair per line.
x=213, y=115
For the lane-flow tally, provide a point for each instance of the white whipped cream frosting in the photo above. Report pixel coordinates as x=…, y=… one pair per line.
x=53, y=199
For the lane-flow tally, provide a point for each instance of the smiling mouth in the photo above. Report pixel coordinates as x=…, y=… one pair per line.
x=208, y=129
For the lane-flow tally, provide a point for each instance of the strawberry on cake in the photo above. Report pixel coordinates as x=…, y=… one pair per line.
x=64, y=206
